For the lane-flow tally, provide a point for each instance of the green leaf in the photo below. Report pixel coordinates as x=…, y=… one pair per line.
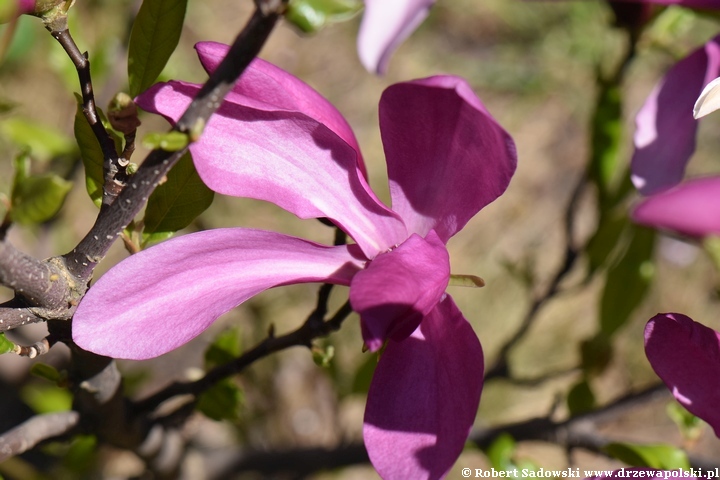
x=690, y=426
x=606, y=137
x=663, y=457
x=581, y=398
x=176, y=203
x=43, y=142
x=46, y=398
x=91, y=154
x=501, y=451
x=323, y=356
x=36, y=199
x=364, y=374
x=170, y=141
x=6, y=346
x=627, y=281
x=154, y=36
x=610, y=227
x=596, y=353
x=224, y=349
x=312, y=15
x=222, y=401
x=48, y=372
x=81, y=455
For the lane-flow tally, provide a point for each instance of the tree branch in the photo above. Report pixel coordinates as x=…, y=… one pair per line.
x=35, y=430
x=39, y=283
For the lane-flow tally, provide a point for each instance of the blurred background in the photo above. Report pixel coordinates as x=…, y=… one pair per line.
x=535, y=65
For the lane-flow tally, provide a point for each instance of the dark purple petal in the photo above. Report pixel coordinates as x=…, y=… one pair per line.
x=424, y=396
x=283, y=157
x=665, y=135
x=385, y=25
x=686, y=356
x=397, y=289
x=692, y=208
x=267, y=83
x=447, y=157
x=163, y=297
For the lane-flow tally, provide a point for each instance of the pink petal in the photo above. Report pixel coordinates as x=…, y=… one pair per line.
x=265, y=82
x=447, y=157
x=424, y=397
x=686, y=356
x=283, y=157
x=691, y=209
x=385, y=25
x=665, y=135
x=163, y=297
x=397, y=289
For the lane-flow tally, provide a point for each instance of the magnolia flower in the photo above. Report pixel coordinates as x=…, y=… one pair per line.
x=686, y=356
x=278, y=140
x=385, y=25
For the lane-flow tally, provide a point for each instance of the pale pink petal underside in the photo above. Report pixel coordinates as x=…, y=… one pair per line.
x=286, y=158
x=162, y=297
x=385, y=25
x=268, y=83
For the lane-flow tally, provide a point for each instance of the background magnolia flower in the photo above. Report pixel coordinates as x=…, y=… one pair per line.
x=278, y=140
x=385, y=25
x=686, y=356
x=666, y=129
x=691, y=209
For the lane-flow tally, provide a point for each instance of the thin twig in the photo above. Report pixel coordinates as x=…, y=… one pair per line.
x=114, y=173
x=501, y=366
x=302, y=336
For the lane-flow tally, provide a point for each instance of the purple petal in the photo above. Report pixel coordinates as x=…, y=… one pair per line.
x=447, y=157
x=397, y=289
x=424, y=397
x=385, y=25
x=265, y=82
x=665, y=135
x=163, y=297
x=686, y=356
x=283, y=157
x=691, y=209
